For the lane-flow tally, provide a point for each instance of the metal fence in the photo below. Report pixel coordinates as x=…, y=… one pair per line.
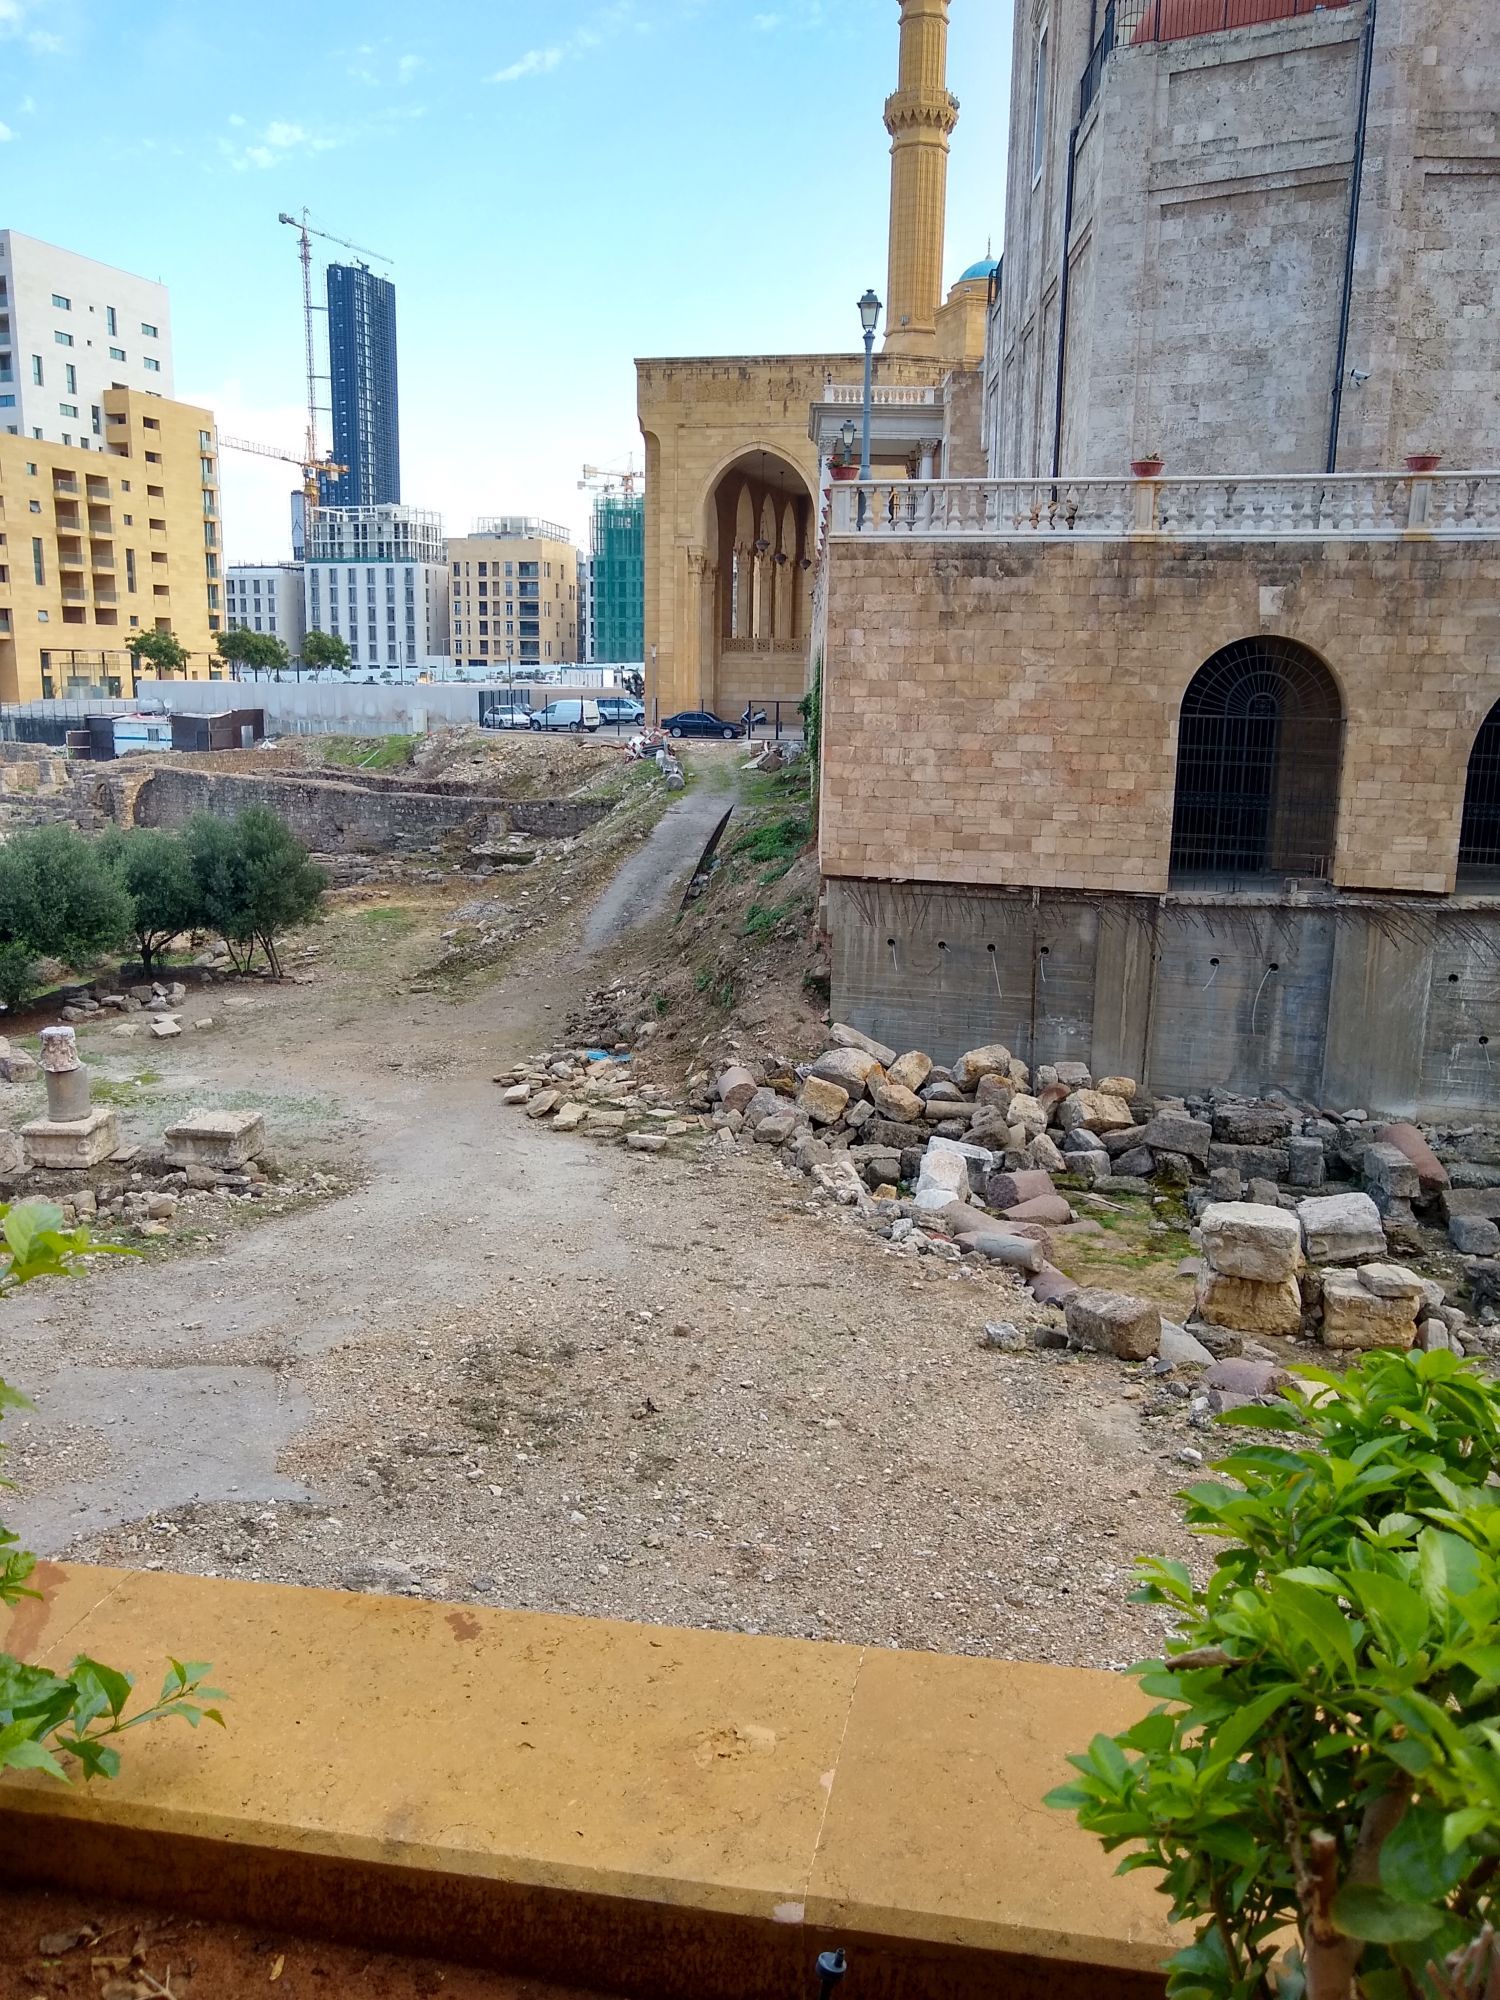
x=773, y=720
x=1139, y=21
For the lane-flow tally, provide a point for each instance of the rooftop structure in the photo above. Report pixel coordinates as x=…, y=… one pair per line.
x=376, y=534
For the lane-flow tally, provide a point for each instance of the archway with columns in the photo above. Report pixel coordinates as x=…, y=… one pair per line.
x=757, y=583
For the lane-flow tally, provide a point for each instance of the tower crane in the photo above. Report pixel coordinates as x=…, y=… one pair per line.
x=305, y=233
x=311, y=467
x=600, y=479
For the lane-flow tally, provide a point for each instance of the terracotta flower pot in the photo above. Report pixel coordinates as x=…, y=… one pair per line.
x=1423, y=461
x=1146, y=468
x=843, y=472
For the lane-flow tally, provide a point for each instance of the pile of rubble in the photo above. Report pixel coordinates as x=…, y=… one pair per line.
x=593, y=1090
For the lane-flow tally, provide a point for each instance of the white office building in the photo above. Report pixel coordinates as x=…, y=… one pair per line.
x=70, y=329
x=267, y=597
x=378, y=578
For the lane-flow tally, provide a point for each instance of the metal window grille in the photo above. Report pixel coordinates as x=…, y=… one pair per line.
x=1138, y=21
x=1479, y=834
x=1259, y=745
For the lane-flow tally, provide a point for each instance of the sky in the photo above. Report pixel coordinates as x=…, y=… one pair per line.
x=560, y=185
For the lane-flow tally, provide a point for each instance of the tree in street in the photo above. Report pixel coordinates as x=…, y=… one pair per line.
x=163, y=652
x=326, y=649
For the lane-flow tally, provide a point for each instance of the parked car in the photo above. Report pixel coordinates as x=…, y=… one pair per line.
x=508, y=715
x=699, y=722
x=575, y=715
x=622, y=708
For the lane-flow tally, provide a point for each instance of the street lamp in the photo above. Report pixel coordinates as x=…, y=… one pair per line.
x=869, y=315
x=846, y=435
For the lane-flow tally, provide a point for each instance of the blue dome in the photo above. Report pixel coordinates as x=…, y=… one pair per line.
x=985, y=269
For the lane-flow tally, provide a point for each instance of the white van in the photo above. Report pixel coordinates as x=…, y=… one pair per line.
x=575, y=715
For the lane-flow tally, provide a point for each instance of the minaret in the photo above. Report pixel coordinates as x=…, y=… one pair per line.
x=919, y=115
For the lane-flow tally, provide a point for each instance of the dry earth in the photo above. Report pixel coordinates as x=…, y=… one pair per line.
x=520, y=1368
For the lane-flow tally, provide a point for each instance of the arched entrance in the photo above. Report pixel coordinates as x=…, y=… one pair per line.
x=1260, y=742
x=757, y=597
x=1479, y=835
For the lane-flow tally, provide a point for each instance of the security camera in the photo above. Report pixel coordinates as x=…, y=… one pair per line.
x=1359, y=377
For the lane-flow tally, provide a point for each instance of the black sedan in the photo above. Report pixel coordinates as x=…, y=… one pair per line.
x=699, y=722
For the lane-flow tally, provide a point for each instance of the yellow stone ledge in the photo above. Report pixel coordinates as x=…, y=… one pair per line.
x=628, y=1806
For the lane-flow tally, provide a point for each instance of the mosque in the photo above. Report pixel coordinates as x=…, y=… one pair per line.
x=738, y=447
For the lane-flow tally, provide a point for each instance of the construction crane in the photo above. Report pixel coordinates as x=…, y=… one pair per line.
x=600, y=479
x=305, y=233
x=311, y=467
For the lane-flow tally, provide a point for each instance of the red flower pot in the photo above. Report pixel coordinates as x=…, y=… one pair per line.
x=1423, y=461
x=1146, y=468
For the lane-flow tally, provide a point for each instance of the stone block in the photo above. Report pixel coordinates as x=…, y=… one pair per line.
x=1242, y=1377
x=82, y=1142
x=910, y=1071
x=991, y=1060
x=1051, y=1287
x=850, y=1069
x=895, y=1133
x=1114, y=1323
x=990, y=1127
x=1432, y=1175
x=823, y=1101
x=1045, y=1156
x=1249, y=1305
x=841, y=1036
x=1394, y=1281
x=604, y=1121
x=544, y=1102
x=1009, y=1190
x=1388, y=1173
x=1125, y=1140
x=1474, y=1236
x=1226, y=1183
x=1044, y=1208
x=1021, y=1253
x=735, y=1088
x=777, y=1129
x=1244, y=1239
x=17, y=1066
x=224, y=1140
x=1136, y=1162
x=896, y=1100
x=1354, y=1316
x=1169, y=1133
x=944, y=1177
x=1266, y=1163
x=1340, y=1228
x=1181, y=1349
x=12, y=1151
x=763, y=1104
x=1123, y=1087
x=1028, y=1114
x=570, y=1117
x=996, y=1090
x=1306, y=1163
x=1073, y=1075
x=939, y=1110
x=1251, y=1124
x=1081, y=1140
x=1096, y=1112
x=1483, y=1201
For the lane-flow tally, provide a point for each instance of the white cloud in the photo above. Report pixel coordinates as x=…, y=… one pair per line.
x=235, y=118
x=280, y=139
x=28, y=106
x=408, y=66
x=5, y=133
x=535, y=62
x=764, y=23
x=19, y=21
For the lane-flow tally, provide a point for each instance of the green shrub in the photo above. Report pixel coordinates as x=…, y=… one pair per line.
x=157, y=873
x=254, y=881
x=1324, y=1761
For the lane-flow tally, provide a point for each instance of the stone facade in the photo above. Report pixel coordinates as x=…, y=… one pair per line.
x=1007, y=713
x=1210, y=223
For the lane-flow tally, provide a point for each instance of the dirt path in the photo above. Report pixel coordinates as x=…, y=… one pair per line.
x=519, y=1367
x=657, y=872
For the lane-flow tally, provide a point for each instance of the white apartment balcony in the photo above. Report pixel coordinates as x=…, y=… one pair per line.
x=906, y=420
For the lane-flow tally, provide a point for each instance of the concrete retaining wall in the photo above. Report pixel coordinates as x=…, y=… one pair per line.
x=314, y=708
x=1393, y=1006
x=331, y=816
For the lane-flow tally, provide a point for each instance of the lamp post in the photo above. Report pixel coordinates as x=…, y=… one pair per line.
x=869, y=316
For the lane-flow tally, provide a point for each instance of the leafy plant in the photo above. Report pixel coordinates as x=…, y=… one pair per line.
x=254, y=881
x=45, y=1717
x=326, y=649
x=57, y=900
x=165, y=653
x=261, y=652
x=1325, y=1759
x=157, y=873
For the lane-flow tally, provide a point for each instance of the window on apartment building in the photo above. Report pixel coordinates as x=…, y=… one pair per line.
x=41, y=619
x=150, y=362
x=151, y=423
x=38, y=560
x=110, y=320
x=36, y=371
x=153, y=458
x=117, y=354
x=36, y=506
x=96, y=414
x=1260, y=743
x=206, y=468
x=205, y=440
x=71, y=375
x=7, y=402
x=62, y=339
x=148, y=330
x=62, y=304
x=67, y=410
x=129, y=566
x=1039, y=106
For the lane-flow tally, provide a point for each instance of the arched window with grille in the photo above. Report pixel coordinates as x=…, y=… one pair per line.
x=1260, y=743
x=1479, y=835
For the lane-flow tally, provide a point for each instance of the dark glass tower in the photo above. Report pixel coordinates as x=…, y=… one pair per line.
x=362, y=377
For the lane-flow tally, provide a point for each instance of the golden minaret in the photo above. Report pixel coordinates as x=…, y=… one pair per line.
x=920, y=114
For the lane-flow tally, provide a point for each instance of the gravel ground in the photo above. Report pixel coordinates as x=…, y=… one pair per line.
x=521, y=1368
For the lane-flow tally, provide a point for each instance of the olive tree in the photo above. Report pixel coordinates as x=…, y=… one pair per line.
x=254, y=881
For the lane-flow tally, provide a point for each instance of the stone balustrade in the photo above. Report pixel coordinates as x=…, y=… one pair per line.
x=887, y=396
x=1360, y=506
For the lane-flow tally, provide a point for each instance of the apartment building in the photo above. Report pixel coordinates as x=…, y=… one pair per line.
x=268, y=597
x=515, y=593
x=70, y=330
x=95, y=546
x=378, y=578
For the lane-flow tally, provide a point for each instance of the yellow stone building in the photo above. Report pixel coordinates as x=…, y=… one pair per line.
x=95, y=546
x=513, y=594
x=738, y=446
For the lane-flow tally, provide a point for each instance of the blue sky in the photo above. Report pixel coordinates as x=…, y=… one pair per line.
x=561, y=184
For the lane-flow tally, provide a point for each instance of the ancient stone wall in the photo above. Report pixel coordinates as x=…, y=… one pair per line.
x=329, y=816
x=1006, y=712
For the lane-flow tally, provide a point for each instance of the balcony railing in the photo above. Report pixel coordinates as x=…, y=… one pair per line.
x=900, y=396
x=1358, y=506
x=1138, y=21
